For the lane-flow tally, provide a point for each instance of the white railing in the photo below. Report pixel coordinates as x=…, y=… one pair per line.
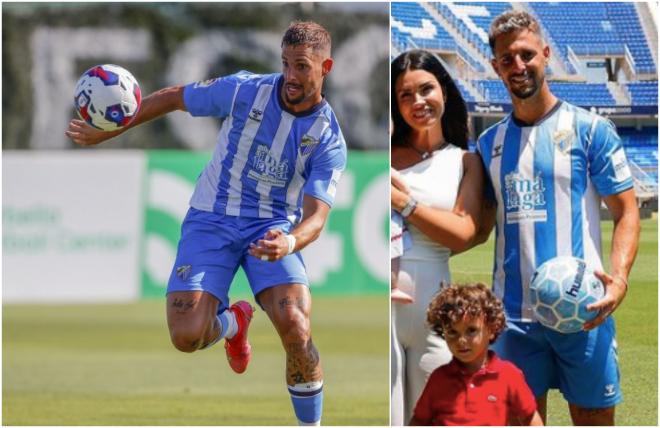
x=645, y=186
x=630, y=60
x=573, y=59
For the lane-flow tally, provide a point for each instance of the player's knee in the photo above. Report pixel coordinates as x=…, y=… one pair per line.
x=294, y=327
x=592, y=417
x=187, y=338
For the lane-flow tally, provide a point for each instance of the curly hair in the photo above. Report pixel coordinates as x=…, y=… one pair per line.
x=456, y=301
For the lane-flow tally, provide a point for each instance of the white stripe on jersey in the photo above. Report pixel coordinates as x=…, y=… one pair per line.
x=297, y=182
x=203, y=198
x=495, y=165
x=562, y=170
x=526, y=228
x=263, y=186
x=591, y=233
x=293, y=192
x=242, y=152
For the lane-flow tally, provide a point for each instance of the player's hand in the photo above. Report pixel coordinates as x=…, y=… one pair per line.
x=615, y=291
x=83, y=134
x=272, y=247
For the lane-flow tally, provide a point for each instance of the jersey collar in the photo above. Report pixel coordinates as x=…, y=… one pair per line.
x=552, y=111
x=492, y=366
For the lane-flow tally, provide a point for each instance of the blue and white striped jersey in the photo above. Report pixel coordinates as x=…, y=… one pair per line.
x=547, y=180
x=266, y=157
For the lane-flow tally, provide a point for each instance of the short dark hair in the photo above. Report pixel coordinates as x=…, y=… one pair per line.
x=455, y=118
x=511, y=21
x=307, y=33
x=456, y=301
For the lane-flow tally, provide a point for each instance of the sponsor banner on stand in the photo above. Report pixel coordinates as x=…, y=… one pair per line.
x=71, y=226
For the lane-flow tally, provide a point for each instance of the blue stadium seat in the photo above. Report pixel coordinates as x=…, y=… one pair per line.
x=643, y=93
x=603, y=29
x=641, y=147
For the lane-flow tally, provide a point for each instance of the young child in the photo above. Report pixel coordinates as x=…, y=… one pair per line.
x=400, y=242
x=476, y=387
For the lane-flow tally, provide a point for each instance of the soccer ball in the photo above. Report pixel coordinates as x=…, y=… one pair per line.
x=560, y=290
x=107, y=97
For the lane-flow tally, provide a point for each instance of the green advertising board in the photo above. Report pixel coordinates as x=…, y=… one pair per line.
x=350, y=257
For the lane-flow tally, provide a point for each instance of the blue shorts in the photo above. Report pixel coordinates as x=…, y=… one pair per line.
x=213, y=246
x=584, y=366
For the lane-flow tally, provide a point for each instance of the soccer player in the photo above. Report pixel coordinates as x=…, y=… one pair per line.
x=549, y=164
x=264, y=196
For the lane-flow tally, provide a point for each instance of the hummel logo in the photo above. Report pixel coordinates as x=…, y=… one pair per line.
x=255, y=114
x=183, y=271
x=609, y=390
x=492, y=398
x=497, y=150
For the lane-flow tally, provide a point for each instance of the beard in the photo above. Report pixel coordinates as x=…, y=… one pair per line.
x=524, y=92
x=295, y=100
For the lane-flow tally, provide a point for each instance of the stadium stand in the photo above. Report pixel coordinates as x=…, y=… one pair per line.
x=412, y=26
x=643, y=93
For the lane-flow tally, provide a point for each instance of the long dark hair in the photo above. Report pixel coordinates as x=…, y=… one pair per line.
x=454, y=119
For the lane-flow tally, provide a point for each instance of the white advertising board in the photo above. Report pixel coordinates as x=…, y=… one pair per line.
x=71, y=226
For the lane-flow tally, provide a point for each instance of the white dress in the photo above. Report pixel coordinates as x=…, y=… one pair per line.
x=416, y=351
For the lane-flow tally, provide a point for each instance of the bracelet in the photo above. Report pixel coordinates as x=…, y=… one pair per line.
x=292, y=242
x=409, y=207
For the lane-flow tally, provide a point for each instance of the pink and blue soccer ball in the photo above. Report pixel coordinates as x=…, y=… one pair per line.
x=107, y=97
x=560, y=290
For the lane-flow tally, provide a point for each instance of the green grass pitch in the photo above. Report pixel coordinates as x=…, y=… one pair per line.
x=636, y=320
x=114, y=365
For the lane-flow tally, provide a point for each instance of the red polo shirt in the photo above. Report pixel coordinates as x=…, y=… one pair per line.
x=491, y=396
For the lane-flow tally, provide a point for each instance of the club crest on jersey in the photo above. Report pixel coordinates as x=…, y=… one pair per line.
x=266, y=168
x=256, y=114
x=205, y=83
x=525, y=198
x=563, y=140
x=307, y=144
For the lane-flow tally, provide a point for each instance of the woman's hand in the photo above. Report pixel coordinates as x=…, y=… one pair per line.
x=399, y=191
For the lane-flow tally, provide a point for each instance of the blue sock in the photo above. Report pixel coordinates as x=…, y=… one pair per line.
x=307, y=399
x=227, y=328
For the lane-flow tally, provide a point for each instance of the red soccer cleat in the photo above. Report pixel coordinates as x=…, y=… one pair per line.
x=238, y=348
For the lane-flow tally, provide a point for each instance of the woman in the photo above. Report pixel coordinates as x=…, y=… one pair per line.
x=438, y=192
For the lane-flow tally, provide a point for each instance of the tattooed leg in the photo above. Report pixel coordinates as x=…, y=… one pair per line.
x=191, y=318
x=289, y=307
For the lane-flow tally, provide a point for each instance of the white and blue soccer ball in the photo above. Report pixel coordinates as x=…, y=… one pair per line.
x=107, y=97
x=560, y=290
